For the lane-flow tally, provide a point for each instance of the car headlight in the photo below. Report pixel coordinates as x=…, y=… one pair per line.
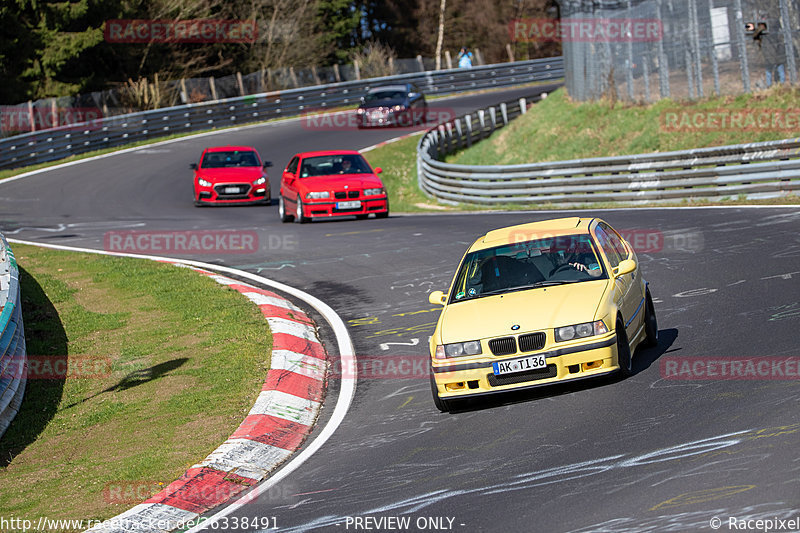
x=578, y=331
x=398, y=108
x=374, y=192
x=260, y=181
x=458, y=349
x=203, y=183
x=360, y=111
x=316, y=195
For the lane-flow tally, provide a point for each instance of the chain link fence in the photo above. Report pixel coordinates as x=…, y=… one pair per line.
x=643, y=50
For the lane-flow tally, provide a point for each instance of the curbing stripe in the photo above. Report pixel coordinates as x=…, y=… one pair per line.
x=292, y=327
x=246, y=457
x=282, y=312
x=295, y=384
x=298, y=363
x=287, y=406
x=201, y=488
x=271, y=430
x=147, y=517
x=282, y=341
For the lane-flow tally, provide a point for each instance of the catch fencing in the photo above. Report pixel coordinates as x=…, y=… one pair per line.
x=750, y=171
x=12, y=338
x=58, y=143
x=643, y=50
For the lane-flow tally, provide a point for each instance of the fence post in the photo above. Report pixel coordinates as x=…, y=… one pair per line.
x=184, y=93
x=336, y=73
x=213, y=88
x=510, y=52
x=739, y=32
x=241, y=84
x=448, y=59
x=316, y=76
x=293, y=77
x=663, y=63
x=30, y=116
x=54, y=119
x=358, y=69
x=420, y=63
x=695, y=46
x=791, y=66
x=479, y=56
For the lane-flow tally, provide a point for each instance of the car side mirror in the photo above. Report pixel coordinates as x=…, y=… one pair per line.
x=378, y=170
x=267, y=164
x=193, y=166
x=437, y=298
x=413, y=95
x=626, y=266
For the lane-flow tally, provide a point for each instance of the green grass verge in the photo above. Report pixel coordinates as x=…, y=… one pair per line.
x=557, y=129
x=187, y=359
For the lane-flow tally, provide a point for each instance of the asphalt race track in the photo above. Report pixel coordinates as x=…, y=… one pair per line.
x=649, y=453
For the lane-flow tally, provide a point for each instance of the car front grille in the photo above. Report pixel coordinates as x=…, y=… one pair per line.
x=503, y=346
x=531, y=342
x=341, y=195
x=241, y=190
x=522, y=377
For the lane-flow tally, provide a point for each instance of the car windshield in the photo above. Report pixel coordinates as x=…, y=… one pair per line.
x=527, y=265
x=384, y=95
x=233, y=158
x=328, y=165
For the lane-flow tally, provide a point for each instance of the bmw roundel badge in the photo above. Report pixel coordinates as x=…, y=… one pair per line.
x=515, y=327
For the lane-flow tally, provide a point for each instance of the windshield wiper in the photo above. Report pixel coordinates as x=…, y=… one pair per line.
x=527, y=286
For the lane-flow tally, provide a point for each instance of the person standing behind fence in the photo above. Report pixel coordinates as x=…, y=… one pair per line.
x=464, y=58
x=771, y=57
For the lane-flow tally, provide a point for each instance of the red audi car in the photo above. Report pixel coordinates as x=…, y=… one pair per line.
x=231, y=175
x=331, y=184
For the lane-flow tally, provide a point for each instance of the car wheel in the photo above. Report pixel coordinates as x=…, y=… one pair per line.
x=441, y=405
x=623, y=351
x=285, y=217
x=299, y=217
x=650, y=322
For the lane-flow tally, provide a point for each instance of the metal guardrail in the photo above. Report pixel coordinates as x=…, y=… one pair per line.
x=13, y=361
x=755, y=170
x=58, y=143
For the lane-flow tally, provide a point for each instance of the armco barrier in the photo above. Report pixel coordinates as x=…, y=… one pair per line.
x=753, y=171
x=12, y=339
x=58, y=143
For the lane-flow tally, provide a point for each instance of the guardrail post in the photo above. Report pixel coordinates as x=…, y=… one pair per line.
x=523, y=107
x=493, y=116
x=482, y=120
x=468, y=120
x=504, y=113
x=460, y=133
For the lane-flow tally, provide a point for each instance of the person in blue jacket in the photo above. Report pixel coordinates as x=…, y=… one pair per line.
x=464, y=58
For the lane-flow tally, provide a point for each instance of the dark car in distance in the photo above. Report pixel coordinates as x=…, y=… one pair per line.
x=400, y=104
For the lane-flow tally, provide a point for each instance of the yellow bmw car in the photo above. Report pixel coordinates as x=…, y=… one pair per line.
x=536, y=304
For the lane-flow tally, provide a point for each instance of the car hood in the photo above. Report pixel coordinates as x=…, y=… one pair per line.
x=384, y=103
x=230, y=174
x=533, y=310
x=339, y=181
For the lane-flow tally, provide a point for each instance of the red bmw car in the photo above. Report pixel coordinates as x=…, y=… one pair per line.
x=231, y=175
x=331, y=184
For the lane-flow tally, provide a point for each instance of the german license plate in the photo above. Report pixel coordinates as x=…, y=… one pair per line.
x=533, y=362
x=348, y=205
x=231, y=190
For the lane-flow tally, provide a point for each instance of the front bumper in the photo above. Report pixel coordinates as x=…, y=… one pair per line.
x=258, y=194
x=570, y=363
x=328, y=208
